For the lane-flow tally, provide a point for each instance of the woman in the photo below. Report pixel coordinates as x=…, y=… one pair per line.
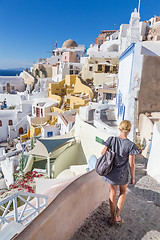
x=123, y=162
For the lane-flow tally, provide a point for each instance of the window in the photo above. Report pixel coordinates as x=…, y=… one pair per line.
x=12, y=87
x=44, y=73
x=71, y=66
x=49, y=134
x=114, y=68
x=20, y=130
x=41, y=112
x=34, y=110
x=108, y=96
x=0, y=123
x=90, y=69
x=4, y=88
x=10, y=122
x=37, y=112
x=76, y=71
x=71, y=72
x=99, y=68
x=37, y=72
x=107, y=69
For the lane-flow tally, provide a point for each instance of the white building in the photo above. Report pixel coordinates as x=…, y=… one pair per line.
x=65, y=60
x=13, y=118
x=133, y=32
x=11, y=84
x=28, y=80
x=63, y=68
x=41, y=109
x=138, y=82
x=66, y=122
x=50, y=131
x=101, y=115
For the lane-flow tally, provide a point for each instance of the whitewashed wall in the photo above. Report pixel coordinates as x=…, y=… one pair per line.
x=84, y=112
x=153, y=167
x=15, y=81
x=8, y=170
x=105, y=128
x=146, y=130
x=129, y=78
x=50, y=128
x=87, y=134
x=5, y=116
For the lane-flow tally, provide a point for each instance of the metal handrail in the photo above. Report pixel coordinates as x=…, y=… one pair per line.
x=27, y=212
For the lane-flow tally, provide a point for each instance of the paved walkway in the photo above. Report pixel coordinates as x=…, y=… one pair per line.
x=141, y=213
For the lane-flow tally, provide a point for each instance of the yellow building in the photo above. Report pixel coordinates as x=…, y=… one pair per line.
x=74, y=93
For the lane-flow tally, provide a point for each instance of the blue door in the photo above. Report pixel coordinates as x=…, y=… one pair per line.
x=49, y=134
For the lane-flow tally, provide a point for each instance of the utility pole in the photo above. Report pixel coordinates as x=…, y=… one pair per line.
x=139, y=5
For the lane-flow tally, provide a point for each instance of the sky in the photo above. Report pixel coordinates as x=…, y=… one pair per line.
x=28, y=28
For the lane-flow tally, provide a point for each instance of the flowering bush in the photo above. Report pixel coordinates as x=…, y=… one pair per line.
x=24, y=181
x=140, y=146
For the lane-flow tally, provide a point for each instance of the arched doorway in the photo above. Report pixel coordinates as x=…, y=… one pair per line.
x=20, y=130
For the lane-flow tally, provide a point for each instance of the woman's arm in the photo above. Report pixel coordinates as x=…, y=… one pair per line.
x=132, y=168
x=104, y=150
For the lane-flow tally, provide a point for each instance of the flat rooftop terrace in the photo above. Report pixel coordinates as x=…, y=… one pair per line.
x=108, y=117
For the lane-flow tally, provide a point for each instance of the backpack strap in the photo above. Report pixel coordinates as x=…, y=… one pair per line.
x=111, y=141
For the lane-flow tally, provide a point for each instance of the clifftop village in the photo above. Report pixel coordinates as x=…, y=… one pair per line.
x=54, y=115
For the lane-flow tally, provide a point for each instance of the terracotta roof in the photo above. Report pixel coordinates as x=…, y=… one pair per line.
x=107, y=33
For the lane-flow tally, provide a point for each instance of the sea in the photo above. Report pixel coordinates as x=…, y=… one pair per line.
x=11, y=72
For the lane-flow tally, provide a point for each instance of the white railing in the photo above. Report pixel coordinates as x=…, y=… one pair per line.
x=24, y=214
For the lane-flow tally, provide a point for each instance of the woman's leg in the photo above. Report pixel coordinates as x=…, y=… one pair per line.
x=112, y=200
x=120, y=202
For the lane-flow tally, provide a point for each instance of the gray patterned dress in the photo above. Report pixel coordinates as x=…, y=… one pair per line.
x=119, y=174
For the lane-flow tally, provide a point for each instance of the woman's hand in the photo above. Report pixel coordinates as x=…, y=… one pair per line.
x=132, y=182
x=104, y=150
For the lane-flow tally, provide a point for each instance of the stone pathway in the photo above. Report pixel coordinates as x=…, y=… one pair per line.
x=141, y=213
